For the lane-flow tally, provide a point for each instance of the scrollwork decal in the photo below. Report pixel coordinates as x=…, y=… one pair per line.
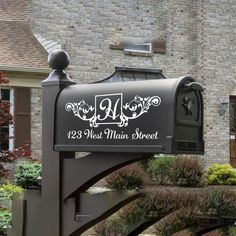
x=83, y=111
x=139, y=106
x=129, y=111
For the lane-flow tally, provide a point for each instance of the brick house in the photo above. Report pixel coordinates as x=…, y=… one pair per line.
x=187, y=38
x=24, y=62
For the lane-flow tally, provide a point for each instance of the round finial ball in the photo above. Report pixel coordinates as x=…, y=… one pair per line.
x=58, y=59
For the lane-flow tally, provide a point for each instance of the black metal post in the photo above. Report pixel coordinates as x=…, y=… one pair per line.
x=51, y=167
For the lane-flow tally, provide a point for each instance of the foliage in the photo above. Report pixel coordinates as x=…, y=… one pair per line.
x=175, y=222
x=5, y=220
x=100, y=228
x=159, y=168
x=216, y=233
x=3, y=171
x=155, y=204
x=228, y=230
x=129, y=177
x=5, y=113
x=184, y=205
x=6, y=117
x=7, y=191
x=232, y=231
x=174, y=211
x=217, y=202
x=130, y=214
x=159, y=203
x=111, y=227
x=10, y=156
x=116, y=228
x=185, y=232
x=187, y=171
x=221, y=174
x=27, y=174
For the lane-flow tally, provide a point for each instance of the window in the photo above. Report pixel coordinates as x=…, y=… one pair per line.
x=6, y=131
x=232, y=113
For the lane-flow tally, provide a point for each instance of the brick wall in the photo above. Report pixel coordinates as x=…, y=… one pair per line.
x=218, y=71
x=199, y=37
x=36, y=122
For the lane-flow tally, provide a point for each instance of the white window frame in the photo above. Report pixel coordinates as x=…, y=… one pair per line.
x=11, y=127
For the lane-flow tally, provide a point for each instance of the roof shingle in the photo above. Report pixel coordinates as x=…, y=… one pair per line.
x=15, y=10
x=18, y=45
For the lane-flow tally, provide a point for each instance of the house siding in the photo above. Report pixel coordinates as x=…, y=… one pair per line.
x=199, y=36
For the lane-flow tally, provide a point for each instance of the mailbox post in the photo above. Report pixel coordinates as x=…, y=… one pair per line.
x=51, y=161
x=129, y=116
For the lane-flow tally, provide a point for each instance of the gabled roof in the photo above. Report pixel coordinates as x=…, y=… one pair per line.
x=18, y=46
x=49, y=45
x=14, y=10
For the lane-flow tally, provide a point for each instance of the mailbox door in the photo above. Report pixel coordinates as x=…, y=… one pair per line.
x=188, y=134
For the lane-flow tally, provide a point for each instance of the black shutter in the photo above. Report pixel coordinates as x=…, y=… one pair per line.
x=22, y=134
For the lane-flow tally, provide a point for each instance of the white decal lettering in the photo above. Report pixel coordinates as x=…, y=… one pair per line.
x=111, y=134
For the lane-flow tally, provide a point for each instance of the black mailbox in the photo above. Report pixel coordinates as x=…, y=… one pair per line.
x=141, y=111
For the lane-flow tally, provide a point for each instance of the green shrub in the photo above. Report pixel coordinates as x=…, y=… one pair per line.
x=116, y=227
x=159, y=203
x=129, y=177
x=216, y=232
x=187, y=171
x=5, y=220
x=6, y=194
x=175, y=222
x=217, y=202
x=27, y=174
x=111, y=227
x=232, y=231
x=159, y=168
x=221, y=174
x=7, y=191
x=100, y=228
x=156, y=204
x=131, y=213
